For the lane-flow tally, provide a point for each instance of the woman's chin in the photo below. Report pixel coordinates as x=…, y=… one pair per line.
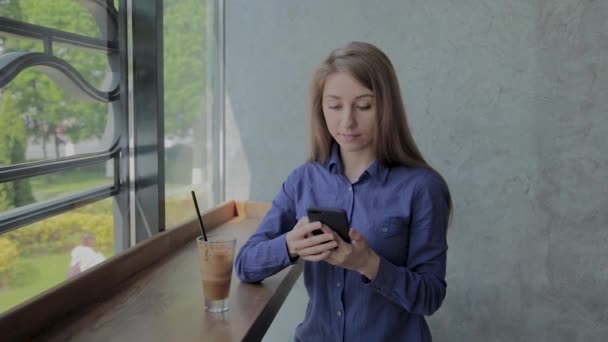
x=349, y=146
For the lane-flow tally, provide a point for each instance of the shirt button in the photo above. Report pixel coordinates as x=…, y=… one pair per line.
x=350, y=188
x=339, y=313
x=384, y=229
x=338, y=284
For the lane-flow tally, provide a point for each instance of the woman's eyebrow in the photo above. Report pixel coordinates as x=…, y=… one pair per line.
x=356, y=97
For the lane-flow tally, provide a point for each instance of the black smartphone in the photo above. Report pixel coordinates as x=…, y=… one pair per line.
x=333, y=218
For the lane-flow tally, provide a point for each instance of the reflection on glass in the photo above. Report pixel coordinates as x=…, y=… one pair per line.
x=186, y=67
x=39, y=256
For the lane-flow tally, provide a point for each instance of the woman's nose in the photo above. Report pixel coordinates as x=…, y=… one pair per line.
x=348, y=119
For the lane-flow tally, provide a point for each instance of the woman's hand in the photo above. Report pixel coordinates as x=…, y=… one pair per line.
x=303, y=243
x=356, y=256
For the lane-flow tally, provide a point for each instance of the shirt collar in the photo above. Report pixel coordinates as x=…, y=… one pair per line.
x=377, y=171
x=334, y=164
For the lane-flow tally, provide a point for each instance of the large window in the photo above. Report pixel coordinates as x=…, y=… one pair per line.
x=190, y=105
x=60, y=114
x=89, y=164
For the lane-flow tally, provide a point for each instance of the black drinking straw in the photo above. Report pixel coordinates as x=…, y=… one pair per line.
x=200, y=219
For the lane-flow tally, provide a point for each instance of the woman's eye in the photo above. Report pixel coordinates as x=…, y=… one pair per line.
x=366, y=107
x=334, y=107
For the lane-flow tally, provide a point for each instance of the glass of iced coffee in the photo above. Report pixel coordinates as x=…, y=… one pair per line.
x=216, y=258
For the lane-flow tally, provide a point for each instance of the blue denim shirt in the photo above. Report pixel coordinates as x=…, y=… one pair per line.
x=401, y=211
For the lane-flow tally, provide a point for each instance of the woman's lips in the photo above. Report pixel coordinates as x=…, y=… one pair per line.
x=349, y=137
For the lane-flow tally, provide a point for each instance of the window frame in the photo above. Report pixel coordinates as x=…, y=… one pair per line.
x=134, y=33
x=138, y=185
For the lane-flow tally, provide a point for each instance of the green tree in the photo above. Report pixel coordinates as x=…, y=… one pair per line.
x=12, y=151
x=45, y=107
x=10, y=9
x=48, y=113
x=185, y=60
x=48, y=110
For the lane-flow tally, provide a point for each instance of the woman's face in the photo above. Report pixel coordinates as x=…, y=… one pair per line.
x=350, y=112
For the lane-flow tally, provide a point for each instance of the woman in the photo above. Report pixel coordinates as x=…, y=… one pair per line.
x=363, y=160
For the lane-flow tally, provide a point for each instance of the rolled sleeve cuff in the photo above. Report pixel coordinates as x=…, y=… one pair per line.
x=385, y=278
x=278, y=246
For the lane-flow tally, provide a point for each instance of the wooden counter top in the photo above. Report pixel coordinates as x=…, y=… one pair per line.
x=132, y=298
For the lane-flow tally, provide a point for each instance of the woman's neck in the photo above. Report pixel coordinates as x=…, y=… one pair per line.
x=355, y=163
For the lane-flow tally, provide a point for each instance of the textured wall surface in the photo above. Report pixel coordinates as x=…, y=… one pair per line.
x=506, y=98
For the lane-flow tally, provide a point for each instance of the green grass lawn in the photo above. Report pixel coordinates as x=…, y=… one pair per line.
x=33, y=275
x=47, y=187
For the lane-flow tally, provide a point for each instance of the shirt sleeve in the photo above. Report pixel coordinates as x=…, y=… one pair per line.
x=420, y=286
x=265, y=253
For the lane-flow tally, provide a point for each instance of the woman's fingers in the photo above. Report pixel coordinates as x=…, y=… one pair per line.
x=309, y=246
x=316, y=249
x=312, y=241
x=354, y=234
x=304, y=228
x=335, y=236
x=317, y=257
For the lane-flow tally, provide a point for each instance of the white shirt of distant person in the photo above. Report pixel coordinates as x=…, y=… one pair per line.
x=84, y=255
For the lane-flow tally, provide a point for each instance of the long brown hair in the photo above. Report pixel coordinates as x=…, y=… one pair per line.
x=393, y=140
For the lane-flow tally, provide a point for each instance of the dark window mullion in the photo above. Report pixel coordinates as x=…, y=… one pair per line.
x=122, y=212
x=148, y=118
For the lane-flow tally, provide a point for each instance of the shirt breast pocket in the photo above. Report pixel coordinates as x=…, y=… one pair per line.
x=388, y=228
x=391, y=239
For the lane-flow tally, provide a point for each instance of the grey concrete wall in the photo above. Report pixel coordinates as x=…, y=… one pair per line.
x=506, y=98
